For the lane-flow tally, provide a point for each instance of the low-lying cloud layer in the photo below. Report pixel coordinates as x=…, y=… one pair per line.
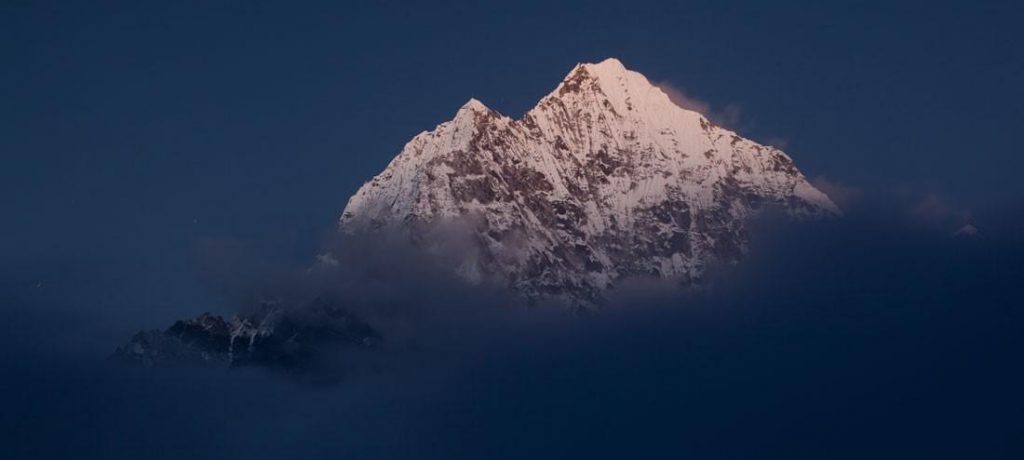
x=862, y=337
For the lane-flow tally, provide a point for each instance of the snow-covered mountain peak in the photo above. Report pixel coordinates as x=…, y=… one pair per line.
x=615, y=82
x=604, y=179
x=471, y=113
x=474, y=106
x=607, y=71
x=609, y=93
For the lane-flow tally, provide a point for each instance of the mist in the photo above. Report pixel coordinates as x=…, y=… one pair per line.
x=875, y=335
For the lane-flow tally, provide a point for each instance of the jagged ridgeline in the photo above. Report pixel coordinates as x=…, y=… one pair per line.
x=605, y=179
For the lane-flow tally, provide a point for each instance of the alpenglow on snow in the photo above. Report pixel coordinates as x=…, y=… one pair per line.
x=604, y=179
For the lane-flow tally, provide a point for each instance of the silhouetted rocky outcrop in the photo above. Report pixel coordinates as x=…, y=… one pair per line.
x=274, y=336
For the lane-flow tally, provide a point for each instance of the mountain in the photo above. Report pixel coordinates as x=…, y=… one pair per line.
x=273, y=336
x=603, y=180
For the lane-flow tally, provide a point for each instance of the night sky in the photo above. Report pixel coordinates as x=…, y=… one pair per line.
x=155, y=157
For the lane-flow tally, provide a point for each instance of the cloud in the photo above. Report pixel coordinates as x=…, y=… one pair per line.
x=778, y=142
x=827, y=327
x=729, y=116
x=931, y=208
x=822, y=329
x=842, y=195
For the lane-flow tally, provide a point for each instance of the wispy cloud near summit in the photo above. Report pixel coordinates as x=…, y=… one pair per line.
x=728, y=116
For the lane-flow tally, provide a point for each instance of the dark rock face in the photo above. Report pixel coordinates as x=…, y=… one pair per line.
x=293, y=339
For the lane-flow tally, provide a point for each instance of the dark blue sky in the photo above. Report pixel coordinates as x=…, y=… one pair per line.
x=134, y=132
x=156, y=158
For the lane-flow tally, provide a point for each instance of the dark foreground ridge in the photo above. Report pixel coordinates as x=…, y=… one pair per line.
x=275, y=336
